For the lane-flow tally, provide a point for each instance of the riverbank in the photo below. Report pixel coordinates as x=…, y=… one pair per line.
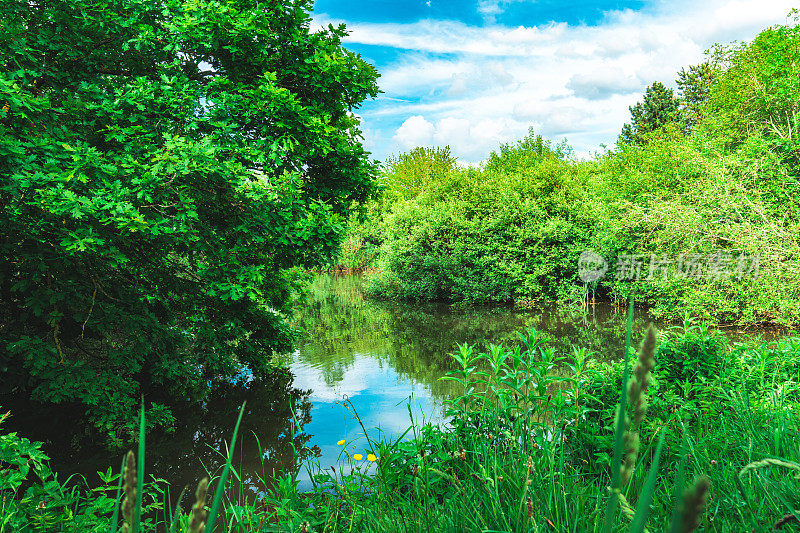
x=376, y=354
x=535, y=225
x=533, y=451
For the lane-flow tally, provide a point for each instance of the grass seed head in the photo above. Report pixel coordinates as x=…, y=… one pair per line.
x=641, y=377
x=197, y=524
x=646, y=362
x=130, y=491
x=694, y=504
x=637, y=403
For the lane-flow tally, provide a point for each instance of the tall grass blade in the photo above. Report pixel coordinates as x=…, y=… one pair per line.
x=139, y=475
x=646, y=496
x=677, y=493
x=616, y=464
x=220, y=494
x=173, y=520
x=118, y=499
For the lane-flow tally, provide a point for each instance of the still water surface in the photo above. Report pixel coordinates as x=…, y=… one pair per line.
x=383, y=359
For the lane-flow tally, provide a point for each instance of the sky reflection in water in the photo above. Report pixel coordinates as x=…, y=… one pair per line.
x=378, y=355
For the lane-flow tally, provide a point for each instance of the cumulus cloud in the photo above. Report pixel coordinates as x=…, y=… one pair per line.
x=415, y=131
x=452, y=131
x=469, y=138
x=473, y=87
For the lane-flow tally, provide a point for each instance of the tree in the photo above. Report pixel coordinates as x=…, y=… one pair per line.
x=694, y=86
x=527, y=152
x=406, y=174
x=755, y=97
x=166, y=171
x=658, y=107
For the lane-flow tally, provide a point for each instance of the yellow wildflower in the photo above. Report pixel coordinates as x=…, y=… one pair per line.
x=358, y=457
x=371, y=458
x=341, y=442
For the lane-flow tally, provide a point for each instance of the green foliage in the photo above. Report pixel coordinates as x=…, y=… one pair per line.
x=478, y=235
x=527, y=450
x=659, y=107
x=692, y=353
x=754, y=99
x=19, y=457
x=708, y=177
x=48, y=505
x=404, y=176
x=166, y=171
x=355, y=253
x=526, y=152
x=694, y=86
x=35, y=500
x=745, y=165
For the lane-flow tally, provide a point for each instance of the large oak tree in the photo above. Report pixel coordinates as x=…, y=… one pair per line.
x=167, y=167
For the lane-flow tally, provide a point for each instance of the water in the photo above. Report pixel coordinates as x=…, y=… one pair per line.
x=383, y=360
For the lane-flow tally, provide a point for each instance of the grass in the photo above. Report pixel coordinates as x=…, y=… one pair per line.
x=538, y=441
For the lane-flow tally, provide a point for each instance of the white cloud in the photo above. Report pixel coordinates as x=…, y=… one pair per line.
x=603, y=83
x=419, y=74
x=452, y=132
x=474, y=87
x=470, y=138
x=450, y=37
x=493, y=75
x=415, y=131
x=489, y=8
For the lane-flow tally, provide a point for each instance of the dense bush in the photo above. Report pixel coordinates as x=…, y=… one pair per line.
x=695, y=355
x=488, y=235
x=716, y=184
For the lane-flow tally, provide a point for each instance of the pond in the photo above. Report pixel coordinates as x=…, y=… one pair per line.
x=380, y=360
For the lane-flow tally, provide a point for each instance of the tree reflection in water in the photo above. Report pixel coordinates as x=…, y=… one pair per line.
x=375, y=353
x=198, y=442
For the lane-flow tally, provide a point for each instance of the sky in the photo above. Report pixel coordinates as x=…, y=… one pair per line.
x=472, y=74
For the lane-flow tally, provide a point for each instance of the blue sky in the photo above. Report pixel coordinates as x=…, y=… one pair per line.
x=473, y=74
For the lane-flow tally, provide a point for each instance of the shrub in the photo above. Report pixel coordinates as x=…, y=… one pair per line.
x=691, y=353
x=723, y=189
x=488, y=235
